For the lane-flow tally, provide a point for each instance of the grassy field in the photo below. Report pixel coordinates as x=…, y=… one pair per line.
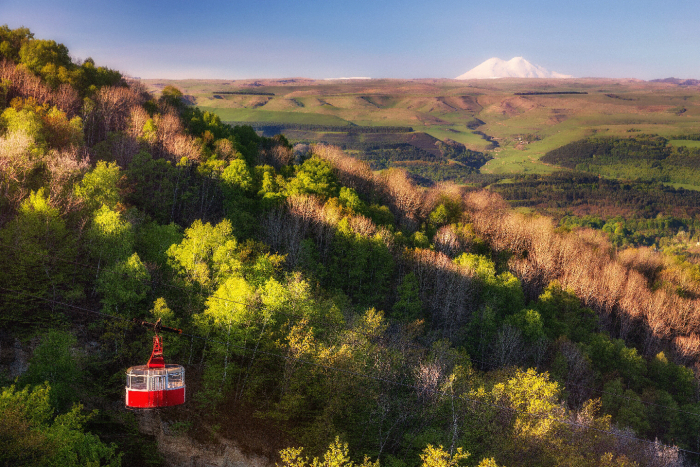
x=251, y=115
x=686, y=143
x=524, y=126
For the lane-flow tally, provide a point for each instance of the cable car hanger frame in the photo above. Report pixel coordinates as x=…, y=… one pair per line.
x=156, y=384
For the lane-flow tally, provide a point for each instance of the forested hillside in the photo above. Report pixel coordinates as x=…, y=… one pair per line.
x=645, y=157
x=332, y=315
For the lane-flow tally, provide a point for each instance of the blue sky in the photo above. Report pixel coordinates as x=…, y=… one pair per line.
x=375, y=38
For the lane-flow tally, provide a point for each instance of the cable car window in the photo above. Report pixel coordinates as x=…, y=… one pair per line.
x=137, y=382
x=174, y=380
x=157, y=383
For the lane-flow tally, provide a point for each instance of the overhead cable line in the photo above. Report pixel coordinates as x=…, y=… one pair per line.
x=376, y=378
x=290, y=316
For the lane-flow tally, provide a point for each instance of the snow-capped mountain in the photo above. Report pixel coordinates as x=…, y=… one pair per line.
x=516, y=67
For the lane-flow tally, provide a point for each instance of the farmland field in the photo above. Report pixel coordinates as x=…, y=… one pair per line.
x=494, y=117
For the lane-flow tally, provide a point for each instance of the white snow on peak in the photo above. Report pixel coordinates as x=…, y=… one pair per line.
x=516, y=67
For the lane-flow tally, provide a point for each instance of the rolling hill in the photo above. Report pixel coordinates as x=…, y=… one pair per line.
x=525, y=117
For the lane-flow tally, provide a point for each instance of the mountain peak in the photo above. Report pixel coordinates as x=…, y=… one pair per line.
x=516, y=67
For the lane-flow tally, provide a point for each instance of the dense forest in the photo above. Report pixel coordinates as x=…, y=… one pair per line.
x=353, y=317
x=644, y=157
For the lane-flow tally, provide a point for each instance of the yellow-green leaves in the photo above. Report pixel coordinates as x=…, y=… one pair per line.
x=535, y=400
x=314, y=177
x=337, y=455
x=150, y=131
x=99, y=186
x=437, y=457
x=237, y=176
x=161, y=310
x=204, y=251
x=229, y=304
x=110, y=236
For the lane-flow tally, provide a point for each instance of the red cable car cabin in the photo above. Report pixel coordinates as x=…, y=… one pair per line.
x=156, y=384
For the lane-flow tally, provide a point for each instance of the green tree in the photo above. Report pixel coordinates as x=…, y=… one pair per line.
x=408, y=305
x=37, y=250
x=100, y=186
x=31, y=435
x=360, y=265
x=229, y=316
x=54, y=362
x=87, y=78
x=563, y=314
x=110, y=237
x=205, y=251
x=529, y=322
x=172, y=96
x=25, y=119
x=314, y=177
x=124, y=287
x=161, y=311
x=675, y=379
x=48, y=59
x=448, y=211
x=349, y=199
x=152, y=241
x=155, y=186
x=502, y=293
x=239, y=187
x=613, y=357
x=536, y=401
x=625, y=406
x=662, y=413
x=11, y=41
x=238, y=177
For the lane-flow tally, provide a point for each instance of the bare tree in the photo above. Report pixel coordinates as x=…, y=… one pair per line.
x=447, y=241
x=446, y=288
x=285, y=227
x=109, y=112
x=508, y=348
x=66, y=167
x=137, y=120
x=277, y=155
x=584, y=262
x=579, y=376
x=351, y=172
x=687, y=348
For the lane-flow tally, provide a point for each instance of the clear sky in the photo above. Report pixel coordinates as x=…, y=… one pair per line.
x=235, y=39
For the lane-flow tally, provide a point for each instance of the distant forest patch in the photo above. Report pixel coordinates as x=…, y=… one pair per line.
x=582, y=193
x=644, y=157
x=275, y=128
x=246, y=93
x=617, y=96
x=547, y=93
